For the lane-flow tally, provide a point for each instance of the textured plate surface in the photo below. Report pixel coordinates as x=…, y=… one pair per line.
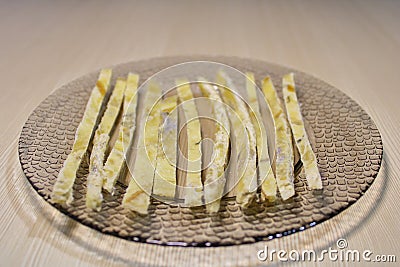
x=347, y=143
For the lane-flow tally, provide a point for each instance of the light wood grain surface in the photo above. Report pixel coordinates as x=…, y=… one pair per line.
x=353, y=45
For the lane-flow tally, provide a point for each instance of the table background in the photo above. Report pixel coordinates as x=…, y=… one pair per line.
x=352, y=45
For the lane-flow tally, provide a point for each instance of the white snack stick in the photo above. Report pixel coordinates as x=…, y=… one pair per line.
x=283, y=142
x=215, y=173
x=299, y=133
x=193, y=189
x=137, y=196
x=267, y=177
x=94, y=196
x=62, y=190
x=165, y=176
x=116, y=160
x=247, y=184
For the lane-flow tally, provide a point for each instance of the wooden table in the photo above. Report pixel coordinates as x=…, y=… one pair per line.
x=352, y=45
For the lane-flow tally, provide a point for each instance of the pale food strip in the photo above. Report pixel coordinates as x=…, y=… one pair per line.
x=165, y=176
x=283, y=142
x=137, y=196
x=193, y=189
x=116, y=160
x=62, y=190
x=94, y=182
x=267, y=177
x=215, y=173
x=246, y=158
x=299, y=132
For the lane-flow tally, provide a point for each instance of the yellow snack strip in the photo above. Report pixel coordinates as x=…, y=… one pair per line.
x=299, y=132
x=137, y=196
x=116, y=160
x=165, y=176
x=283, y=142
x=247, y=156
x=215, y=173
x=193, y=190
x=62, y=190
x=94, y=182
x=267, y=177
